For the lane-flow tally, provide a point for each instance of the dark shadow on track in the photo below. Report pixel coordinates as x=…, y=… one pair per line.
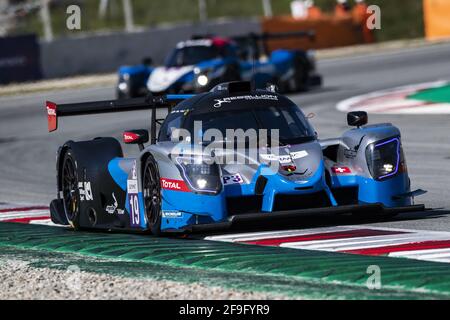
x=309, y=222
x=303, y=222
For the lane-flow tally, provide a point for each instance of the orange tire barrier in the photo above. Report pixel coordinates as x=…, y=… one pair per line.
x=437, y=18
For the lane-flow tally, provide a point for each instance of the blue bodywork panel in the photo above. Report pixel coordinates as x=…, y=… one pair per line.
x=181, y=209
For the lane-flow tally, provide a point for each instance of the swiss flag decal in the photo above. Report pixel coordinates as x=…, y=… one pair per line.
x=341, y=170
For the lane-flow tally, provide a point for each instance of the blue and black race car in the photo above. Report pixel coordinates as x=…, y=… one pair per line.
x=199, y=64
x=224, y=157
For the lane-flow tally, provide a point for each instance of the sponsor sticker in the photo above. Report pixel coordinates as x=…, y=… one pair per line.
x=133, y=171
x=268, y=157
x=299, y=154
x=85, y=191
x=132, y=186
x=232, y=179
x=133, y=198
x=111, y=209
x=174, y=185
x=129, y=137
x=194, y=43
x=285, y=159
x=51, y=110
x=135, y=212
x=341, y=170
x=171, y=214
x=219, y=102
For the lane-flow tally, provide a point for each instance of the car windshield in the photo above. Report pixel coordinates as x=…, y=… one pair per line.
x=191, y=55
x=288, y=120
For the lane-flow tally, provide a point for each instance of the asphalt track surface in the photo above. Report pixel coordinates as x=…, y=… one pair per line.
x=27, y=150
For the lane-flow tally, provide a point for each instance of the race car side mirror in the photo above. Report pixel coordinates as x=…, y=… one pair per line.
x=138, y=137
x=357, y=118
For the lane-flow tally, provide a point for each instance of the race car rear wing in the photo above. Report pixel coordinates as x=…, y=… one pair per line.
x=276, y=35
x=263, y=36
x=150, y=102
x=255, y=40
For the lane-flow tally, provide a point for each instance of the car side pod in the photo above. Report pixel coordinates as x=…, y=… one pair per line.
x=235, y=220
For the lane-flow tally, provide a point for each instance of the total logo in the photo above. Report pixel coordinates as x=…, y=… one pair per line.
x=175, y=185
x=51, y=111
x=129, y=137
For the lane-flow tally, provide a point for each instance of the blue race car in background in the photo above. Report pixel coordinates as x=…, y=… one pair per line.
x=199, y=64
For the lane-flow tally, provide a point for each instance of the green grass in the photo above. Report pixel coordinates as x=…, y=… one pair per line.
x=433, y=95
x=400, y=18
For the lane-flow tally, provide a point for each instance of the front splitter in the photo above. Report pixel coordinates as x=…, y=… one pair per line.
x=234, y=220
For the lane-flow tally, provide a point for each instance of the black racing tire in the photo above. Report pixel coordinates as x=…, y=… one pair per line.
x=120, y=95
x=152, y=195
x=300, y=77
x=70, y=190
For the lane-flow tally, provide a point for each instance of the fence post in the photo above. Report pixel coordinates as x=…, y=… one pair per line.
x=102, y=7
x=46, y=20
x=267, y=8
x=202, y=10
x=128, y=14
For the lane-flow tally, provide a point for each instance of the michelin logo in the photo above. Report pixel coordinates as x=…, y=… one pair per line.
x=219, y=102
x=171, y=214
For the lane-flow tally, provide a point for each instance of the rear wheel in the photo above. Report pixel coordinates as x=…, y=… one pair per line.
x=152, y=195
x=70, y=191
x=299, y=80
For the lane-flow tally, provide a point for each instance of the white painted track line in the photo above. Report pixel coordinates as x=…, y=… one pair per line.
x=351, y=238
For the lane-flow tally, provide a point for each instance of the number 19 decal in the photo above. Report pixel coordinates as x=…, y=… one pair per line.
x=134, y=208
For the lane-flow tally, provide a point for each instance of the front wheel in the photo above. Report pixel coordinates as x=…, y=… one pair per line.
x=70, y=190
x=152, y=195
x=122, y=95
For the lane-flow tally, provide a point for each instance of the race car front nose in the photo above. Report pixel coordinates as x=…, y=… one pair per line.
x=278, y=186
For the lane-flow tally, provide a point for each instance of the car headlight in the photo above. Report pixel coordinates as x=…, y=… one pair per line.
x=124, y=82
x=201, y=175
x=203, y=77
x=202, y=80
x=384, y=158
x=123, y=86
